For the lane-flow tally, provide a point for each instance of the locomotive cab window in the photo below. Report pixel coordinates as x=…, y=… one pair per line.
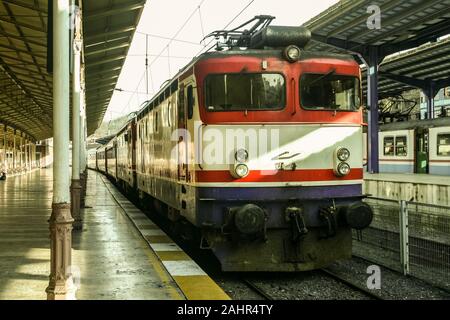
x=400, y=146
x=388, y=146
x=443, y=145
x=245, y=91
x=329, y=92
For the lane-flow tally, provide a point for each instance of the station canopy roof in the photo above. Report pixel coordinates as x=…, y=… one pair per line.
x=429, y=61
x=25, y=84
x=405, y=24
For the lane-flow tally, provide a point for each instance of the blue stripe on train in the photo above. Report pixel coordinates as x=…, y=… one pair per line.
x=214, y=202
x=440, y=170
x=280, y=193
x=397, y=168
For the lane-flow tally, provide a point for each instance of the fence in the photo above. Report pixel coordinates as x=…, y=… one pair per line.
x=412, y=238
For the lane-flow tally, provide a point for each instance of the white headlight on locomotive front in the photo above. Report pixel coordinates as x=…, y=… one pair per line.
x=343, y=169
x=240, y=171
x=343, y=154
x=241, y=155
x=292, y=53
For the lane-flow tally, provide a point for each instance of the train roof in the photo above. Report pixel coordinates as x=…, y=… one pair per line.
x=278, y=53
x=415, y=124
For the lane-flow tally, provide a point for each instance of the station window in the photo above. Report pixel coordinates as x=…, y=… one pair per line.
x=400, y=146
x=443, y=144
x=389, y=146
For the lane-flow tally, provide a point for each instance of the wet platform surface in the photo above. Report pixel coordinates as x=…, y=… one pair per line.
x=113, y=260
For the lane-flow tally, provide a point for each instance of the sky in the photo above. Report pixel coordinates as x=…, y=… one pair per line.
x=188, y=21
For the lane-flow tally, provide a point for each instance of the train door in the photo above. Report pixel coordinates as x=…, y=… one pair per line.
x=106, y=160
x=182, y=135
x=129, y=160
x=115, y=158
x=421, y=156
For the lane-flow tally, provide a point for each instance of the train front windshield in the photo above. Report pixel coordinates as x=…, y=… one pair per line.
x=245, y=91
x=329, y=92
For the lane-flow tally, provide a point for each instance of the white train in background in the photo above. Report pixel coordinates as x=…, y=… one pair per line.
x=419, y=146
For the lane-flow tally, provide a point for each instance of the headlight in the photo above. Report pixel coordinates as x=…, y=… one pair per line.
x=343, y=154
x=241, y=171
x=343, y=169
x=292, y=53
x=241, y=155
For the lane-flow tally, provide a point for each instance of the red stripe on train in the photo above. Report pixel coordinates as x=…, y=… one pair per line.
x=278, y=176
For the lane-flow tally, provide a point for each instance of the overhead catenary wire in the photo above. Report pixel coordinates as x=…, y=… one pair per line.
x=228, y=24
x=205, y=47
x=201, y=22
x=151, y=35
x=164, y=49
x=179, y=30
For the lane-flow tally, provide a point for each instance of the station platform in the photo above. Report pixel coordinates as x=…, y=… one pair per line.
x=423, y=188
x=409, y=178
x=119, y=254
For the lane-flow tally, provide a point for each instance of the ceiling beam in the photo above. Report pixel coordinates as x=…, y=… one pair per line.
x=107, y=48
x=118, y=9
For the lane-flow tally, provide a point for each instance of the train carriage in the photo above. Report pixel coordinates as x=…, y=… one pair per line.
x=92, y=159
x=111, y=159
x=439, y=156
x=101, y=159
x=126, y=155
x=416, y=146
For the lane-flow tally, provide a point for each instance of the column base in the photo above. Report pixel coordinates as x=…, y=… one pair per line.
x=61, y=290
x=61, y=286
x=75, y=204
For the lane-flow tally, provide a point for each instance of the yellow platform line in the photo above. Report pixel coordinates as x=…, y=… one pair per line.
x=200, y=288
x=190, y=278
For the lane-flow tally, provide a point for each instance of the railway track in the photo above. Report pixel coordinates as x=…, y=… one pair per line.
x=257, y=289
x=267, y=296
x=350, y=284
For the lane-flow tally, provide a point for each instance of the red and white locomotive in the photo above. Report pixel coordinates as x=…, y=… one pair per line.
x=258, y=148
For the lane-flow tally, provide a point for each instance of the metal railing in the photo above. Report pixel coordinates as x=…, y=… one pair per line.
x=410, y=237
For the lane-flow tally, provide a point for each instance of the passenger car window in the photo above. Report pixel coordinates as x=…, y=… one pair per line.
x=400, y=146
x=389, y=146
x=443, y=144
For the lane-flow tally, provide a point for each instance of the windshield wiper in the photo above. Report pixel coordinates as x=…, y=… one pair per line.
x=326, y=75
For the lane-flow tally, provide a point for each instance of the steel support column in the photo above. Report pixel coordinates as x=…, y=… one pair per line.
x=8, y=158
x=372, y=103
x=20, y=153
x=5, y=160
x=25, y=150
x=30, y=156
x=33, y=154
x=14, y=152
x=430, y=92
x=61, y=283
x=75, y=188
